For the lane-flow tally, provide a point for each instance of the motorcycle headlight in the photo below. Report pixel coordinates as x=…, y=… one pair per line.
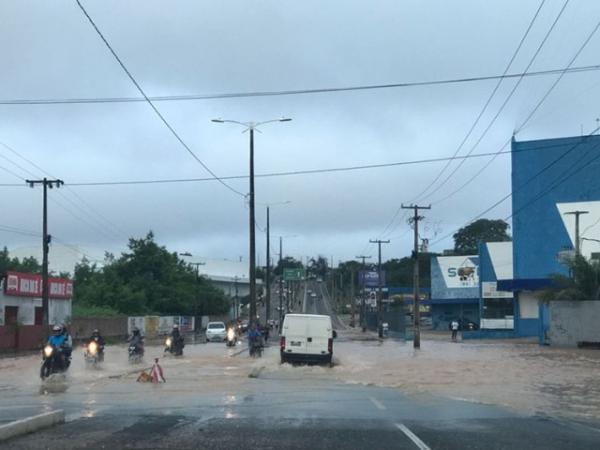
x=48, y=351
x=230, y=334
x=93, y=348
x=168, y=343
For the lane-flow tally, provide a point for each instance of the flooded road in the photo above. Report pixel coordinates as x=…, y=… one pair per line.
x=526, y=378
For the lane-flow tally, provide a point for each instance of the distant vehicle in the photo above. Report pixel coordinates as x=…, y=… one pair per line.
x=244, y=326
x=319, y=280
x=313, y=295
x=216, y=331
x=307, y=338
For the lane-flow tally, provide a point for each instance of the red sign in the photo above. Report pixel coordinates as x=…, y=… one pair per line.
x=30, y=285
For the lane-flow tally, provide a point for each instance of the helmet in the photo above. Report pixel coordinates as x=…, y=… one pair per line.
x=135, y=330
x=95, y=331
x=56, y=329
x=175, y=326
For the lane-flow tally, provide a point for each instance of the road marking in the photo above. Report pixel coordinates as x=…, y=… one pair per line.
x=412, y=436
x=377, y=403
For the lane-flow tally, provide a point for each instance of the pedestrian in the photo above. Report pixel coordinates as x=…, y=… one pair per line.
x=454, y=329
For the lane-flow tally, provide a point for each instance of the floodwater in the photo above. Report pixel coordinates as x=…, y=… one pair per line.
x=522, y=376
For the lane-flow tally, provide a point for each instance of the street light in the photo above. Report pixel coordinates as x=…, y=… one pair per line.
x=251, y=126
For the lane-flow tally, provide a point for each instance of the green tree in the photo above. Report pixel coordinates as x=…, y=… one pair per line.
x=28, y=264
x=583, y=284
x=319, y=266
x=466, y=240
x=148, y=279
x=287, y=263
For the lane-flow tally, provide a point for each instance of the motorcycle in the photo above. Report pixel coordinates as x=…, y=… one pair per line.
x=174, y=346
x=53, y=361
x=256, y=349
x=231, y=339
x=93, y=353
x=136, y=353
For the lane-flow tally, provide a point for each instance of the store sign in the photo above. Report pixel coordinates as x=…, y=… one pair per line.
x=30, y=285
x=460, y=271
x=489, y=290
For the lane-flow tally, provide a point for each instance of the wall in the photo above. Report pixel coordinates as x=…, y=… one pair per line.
x=573, y=322
x=59, y=311
x=109, y=327
x=443, y=314
x=24, y=337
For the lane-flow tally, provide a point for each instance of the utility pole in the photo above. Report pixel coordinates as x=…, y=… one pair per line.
x=197, y=264
x=46, y=183
x=577, y=213
x=379, y=305
x=416, y=305
x=352, y=299
x=268, y=275
x=235, y=299
x=363, y=323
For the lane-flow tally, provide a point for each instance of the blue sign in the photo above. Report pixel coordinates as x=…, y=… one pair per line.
x=370, y=278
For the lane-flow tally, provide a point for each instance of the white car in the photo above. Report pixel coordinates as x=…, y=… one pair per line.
x=216, y=331
x=307, y=338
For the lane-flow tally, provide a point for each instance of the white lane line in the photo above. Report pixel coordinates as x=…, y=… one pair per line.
x=377, y=403
x=412, y=436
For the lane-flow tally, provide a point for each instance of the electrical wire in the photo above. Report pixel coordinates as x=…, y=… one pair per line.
x=527, y=119
x=325, y=90
x=510, y=95
x=154, y=108
x=486, y=104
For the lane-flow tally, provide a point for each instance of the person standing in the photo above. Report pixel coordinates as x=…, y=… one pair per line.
x=454, y=329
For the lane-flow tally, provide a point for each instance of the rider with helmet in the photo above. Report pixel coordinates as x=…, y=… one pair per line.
x=97, y=337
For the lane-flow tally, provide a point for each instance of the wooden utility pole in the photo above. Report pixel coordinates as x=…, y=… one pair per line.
x=577, y=213
x=379, y=286
x=268, y=274
x=46, y=183
x=416, y=303
x=352, y=301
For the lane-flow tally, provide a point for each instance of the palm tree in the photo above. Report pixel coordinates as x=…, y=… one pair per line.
x=584, y=284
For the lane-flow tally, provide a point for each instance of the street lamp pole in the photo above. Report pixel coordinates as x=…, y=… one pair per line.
x=251, y=126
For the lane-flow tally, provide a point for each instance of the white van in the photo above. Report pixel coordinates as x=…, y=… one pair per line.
x=307, y=338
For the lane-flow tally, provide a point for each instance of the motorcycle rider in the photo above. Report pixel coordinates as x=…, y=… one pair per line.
x=67, y=345
x=136, y=339
x=57, y=341
x=254, y=337
x=96, y=336
x=176, y=337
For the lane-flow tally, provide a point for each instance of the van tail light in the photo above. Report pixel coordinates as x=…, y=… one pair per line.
x=330, y=345
x=282, y=342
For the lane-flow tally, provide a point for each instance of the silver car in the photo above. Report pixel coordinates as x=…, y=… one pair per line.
x=216, y=331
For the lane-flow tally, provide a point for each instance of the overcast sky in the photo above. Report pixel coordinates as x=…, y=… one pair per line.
x=50, y=50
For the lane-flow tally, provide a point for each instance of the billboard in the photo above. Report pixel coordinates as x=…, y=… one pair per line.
x=459, y=271
x=370, y=278
x=21, y=284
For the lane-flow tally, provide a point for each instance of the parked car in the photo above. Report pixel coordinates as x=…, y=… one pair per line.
x=216, y=331
x=307, y=338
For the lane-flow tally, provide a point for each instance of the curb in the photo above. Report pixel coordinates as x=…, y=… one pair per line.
x=31, y=424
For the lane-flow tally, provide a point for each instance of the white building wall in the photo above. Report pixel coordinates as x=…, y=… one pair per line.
x=528, y=305
x=59, y=311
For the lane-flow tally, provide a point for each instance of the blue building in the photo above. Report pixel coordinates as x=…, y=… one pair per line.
x=454, y=289
x=551, y=179
x=496, y=308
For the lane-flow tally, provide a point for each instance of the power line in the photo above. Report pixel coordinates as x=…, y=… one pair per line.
x=487, y=103
x=154, y=108
x=510, y=95
x=528, y=118
x=192, y=97
x=529, y=180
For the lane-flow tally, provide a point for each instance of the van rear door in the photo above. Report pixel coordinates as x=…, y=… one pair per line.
x=295, y=334
x=318, y=331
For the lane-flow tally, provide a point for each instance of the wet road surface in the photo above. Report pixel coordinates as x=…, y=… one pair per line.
x=209, y=401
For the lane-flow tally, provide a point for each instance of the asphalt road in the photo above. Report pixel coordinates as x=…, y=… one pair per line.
x=210, y=402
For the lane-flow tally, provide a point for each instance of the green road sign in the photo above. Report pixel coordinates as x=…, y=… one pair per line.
x=293, y=274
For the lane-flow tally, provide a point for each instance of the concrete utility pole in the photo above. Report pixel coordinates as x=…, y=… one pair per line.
x=416, y=303
x=251, y=126
x=379, y=305
x=45, y=240
x=577, y=213
x=363, y=323
x=352, y=295
x=268, y=274
x=236, y=302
